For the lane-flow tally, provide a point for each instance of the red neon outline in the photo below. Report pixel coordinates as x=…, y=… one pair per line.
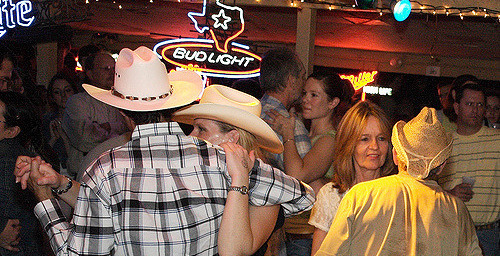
x=225, y=50
x=248, y=53
x=186, y=66
x=185, y=45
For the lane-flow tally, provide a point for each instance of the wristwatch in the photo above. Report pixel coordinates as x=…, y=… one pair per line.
x=243, y=189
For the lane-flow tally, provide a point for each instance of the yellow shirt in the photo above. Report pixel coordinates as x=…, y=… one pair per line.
x=448, y=125
x=399, y=215
x=476, y=156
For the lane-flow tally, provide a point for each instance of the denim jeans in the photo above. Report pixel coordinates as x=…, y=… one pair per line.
x=299, y=247
x=489, y=239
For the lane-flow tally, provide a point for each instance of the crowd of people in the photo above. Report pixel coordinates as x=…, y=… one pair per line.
x=131, y=160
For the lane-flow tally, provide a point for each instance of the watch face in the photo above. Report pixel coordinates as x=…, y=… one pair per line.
x=244, y=190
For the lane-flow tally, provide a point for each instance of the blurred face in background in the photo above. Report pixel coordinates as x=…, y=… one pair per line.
x=61, y=92
x=6, y=69
x=443, y=96
x=372, y=147
x=103, y=73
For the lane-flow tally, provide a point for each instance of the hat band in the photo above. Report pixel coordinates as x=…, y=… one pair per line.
x=118, y=94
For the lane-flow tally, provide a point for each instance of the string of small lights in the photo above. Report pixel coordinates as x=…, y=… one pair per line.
x=417, y=7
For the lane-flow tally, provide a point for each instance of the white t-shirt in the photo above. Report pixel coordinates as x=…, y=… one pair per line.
x=325, y=207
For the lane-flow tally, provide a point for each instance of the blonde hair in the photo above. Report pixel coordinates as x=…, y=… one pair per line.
x=247, y=140
x=349, y=131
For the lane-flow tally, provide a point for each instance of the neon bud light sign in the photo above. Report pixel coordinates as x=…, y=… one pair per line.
x=218, y=56
x=13, y=14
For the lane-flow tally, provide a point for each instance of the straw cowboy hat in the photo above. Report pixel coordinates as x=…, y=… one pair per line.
x=422, y=143
x=233, y=107
x=142, y=83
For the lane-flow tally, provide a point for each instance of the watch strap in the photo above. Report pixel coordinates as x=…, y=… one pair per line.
x=243, y=189
x=64, y=190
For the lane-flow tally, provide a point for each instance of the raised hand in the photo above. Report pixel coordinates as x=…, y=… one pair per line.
x=239, y=162
x=55, y=129
x=42, y=178
x=463, y=191
x=22, y=170
x=282, y=125
x=9, y=238
x=38, y=175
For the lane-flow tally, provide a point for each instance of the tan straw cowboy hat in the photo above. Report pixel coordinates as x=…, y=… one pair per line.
x=422, y=143
x=142, y=83
x=227, y=105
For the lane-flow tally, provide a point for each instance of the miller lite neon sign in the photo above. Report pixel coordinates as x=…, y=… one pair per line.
x=218, y=56
x=361, y=80
x=15, y=14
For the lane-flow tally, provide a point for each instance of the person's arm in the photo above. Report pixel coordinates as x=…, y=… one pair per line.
x=315, y=163
x=318, y=237
x=9, y=237
x=91, y=224
x=243, y=228
x=41, y=177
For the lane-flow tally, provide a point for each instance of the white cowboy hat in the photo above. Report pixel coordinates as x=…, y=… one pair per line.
x=142, y=83
x=233, y=107
x=422, y=143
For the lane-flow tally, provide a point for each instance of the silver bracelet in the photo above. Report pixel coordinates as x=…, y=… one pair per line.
x=64, y=190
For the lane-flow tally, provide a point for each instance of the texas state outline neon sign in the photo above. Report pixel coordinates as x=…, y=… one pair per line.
x=207, y=56
x=13, y=14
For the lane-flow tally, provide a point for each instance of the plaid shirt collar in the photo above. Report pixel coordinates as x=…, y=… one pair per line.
x=148, y=130
x=270, y=102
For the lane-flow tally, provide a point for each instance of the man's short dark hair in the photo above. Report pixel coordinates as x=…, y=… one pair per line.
x=149, y=117
x=277, y=66
x=462, y=79
x=468, y=85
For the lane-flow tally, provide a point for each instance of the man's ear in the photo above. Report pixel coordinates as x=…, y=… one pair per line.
x=12, y=132
x=455, y=107
x=233, y=136
x=395, y=156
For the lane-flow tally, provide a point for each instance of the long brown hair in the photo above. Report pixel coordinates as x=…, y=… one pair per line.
x=349, y=131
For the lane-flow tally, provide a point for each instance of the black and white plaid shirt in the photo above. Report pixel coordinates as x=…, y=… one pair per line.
x=163, y=193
